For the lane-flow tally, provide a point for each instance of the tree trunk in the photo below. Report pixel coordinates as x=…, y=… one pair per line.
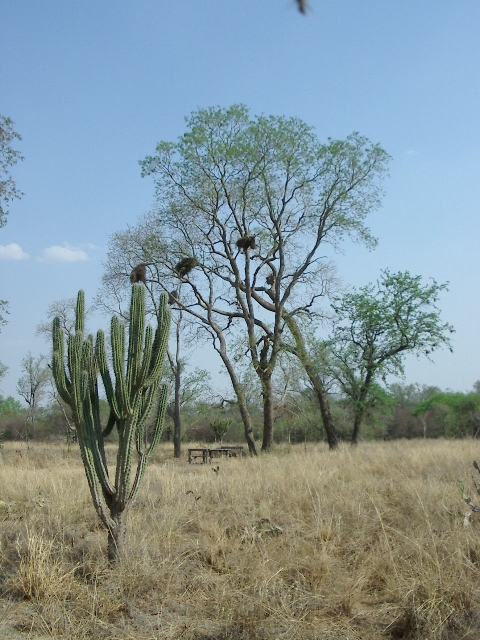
x=316, y=382
x=357, y=422
x=360, y=411
x=327, y=419
x=247, y=423
x=116, y=536
x=237, y=387
x=177, y=418
x=266, y=380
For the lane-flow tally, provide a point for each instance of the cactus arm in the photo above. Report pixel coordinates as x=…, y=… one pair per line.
x=144, y=456
x=118, y=358
x=89, y=430
x=94, y=486
x=74, y=344
x=110, y=424
x=100, y=353
x=58, y=362
x=158, y=428
x=147, y=356
x=135, y=338
x=62, y=382
x=161, y=340
x=124, y=464
x=80, y=313
x=147, y=404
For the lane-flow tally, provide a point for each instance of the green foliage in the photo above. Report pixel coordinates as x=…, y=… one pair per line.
x=3, y=370
x=254, y=198
x=12, y=418
x=3, y=312
x=131, y=396
x=8, y=157
x=220, y=427
x=375, y=327
x=10, y=405
x=462, y=411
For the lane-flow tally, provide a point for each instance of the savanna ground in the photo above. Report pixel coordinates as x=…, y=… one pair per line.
x=366, y=543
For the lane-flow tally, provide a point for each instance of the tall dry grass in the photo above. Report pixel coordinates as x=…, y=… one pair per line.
x=365, y=543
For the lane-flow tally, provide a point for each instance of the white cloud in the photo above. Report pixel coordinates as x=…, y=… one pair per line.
x=12, y=251
x=94, y=247
x=63, y=254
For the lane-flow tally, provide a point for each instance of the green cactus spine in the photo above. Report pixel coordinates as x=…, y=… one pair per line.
x=131, y=395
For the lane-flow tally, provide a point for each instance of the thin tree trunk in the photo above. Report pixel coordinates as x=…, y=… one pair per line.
x=237, y=387
x=356, y=423
x=266, y=380
x=316, y=382
x=322, y=398
x=177, y=418
x=360, y=411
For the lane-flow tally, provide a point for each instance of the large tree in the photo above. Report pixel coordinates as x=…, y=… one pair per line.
x=375, y=327
x=8, y=157
x=31, y=386
x=252, y=202
x=194, y=316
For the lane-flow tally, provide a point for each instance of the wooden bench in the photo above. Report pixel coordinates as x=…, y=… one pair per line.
x=207, y=455
x=233, y=451
x=193, y=454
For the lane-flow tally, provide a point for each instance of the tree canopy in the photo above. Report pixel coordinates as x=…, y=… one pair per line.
x=250, y=201
x=376, y=326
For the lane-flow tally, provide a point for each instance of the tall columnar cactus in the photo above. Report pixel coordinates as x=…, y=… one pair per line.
x=131, y=395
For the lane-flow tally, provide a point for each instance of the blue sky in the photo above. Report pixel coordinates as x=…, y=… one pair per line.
x=93, y=86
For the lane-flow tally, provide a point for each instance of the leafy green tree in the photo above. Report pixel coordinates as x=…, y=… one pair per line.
x=463, y=412
x=249, y=203
x=402, y=423
x=8, y=157
x=220, y=427
x=10, y=405
x=375, y=327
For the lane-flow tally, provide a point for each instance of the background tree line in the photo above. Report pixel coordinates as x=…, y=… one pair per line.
x=406, y=411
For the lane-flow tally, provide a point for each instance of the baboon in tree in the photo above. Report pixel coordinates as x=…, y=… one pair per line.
x=139, y=273
x=246, y=242
x=185, y=265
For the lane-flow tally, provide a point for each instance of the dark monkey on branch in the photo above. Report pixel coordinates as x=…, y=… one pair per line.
x=185, y=265
x=173, y=297
x=246, y=242
x=139, y=273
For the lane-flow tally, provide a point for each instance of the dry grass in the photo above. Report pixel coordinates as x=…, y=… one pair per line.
x=367, y=543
